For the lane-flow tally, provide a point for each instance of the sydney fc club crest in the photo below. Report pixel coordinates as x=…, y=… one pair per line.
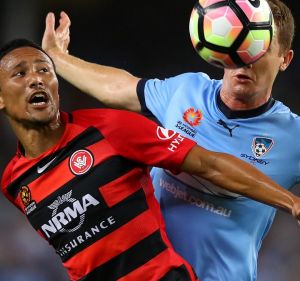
x=81, y=161
x=261, y=146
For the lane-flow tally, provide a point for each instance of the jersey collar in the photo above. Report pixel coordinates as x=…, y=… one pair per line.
x=235, y=114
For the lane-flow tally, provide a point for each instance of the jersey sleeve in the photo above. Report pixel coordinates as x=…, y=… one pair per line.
x=137, y=138
x=6, y=180
x=156, y=96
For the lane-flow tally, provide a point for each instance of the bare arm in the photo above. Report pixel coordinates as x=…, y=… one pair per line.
x=237, y=176
x=112, y=86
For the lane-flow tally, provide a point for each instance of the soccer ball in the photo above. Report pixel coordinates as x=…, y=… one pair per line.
x=231, y=33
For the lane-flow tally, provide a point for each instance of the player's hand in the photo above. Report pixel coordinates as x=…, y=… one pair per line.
x=56, y=40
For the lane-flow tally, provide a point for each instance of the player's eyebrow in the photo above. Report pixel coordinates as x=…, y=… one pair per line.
x=24, y=63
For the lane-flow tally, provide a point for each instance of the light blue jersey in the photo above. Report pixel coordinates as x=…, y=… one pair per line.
x=218, y=232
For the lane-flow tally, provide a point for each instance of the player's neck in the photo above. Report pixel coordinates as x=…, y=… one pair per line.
x=37, y=141
x=238, y=103
x=245, y=112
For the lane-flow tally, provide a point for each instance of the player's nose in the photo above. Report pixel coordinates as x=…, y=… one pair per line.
x=35, y=81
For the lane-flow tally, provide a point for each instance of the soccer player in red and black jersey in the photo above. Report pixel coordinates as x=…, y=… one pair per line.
x=82, y=178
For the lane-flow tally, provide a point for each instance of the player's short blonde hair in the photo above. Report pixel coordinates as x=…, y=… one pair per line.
x=285, y=24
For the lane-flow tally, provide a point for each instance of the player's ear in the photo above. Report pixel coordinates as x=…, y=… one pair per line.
x=287, y=58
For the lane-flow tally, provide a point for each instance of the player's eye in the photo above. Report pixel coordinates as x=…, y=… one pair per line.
x=19, y=74
x=44, y=69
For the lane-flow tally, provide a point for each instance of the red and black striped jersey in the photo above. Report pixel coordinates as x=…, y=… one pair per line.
x=90, y=196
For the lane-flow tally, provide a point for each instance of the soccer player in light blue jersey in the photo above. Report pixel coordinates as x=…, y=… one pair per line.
x=218, y=232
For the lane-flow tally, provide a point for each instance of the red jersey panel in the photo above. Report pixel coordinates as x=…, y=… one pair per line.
x=91, y=197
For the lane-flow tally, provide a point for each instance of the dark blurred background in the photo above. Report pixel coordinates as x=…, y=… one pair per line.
x=149, y=39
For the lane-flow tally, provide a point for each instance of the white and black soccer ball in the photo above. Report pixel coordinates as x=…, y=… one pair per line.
x=231, y=33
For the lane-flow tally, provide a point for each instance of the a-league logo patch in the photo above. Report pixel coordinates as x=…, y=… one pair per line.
x=29, y=204
x=192, y=116
x=81, y=161
x=25, y=195
x=261, y=146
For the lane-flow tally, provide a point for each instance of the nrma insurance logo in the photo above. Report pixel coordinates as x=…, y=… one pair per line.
x=261, y=146
x=68, y=213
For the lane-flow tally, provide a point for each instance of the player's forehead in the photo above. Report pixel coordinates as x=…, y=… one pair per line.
x=23, y=56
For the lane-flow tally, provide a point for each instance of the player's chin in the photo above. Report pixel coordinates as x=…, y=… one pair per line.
x=44, y=117
x=41, y=123
x=243, y=90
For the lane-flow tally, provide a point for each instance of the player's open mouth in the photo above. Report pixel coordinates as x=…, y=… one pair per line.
x=242, y=78
x=39, y=99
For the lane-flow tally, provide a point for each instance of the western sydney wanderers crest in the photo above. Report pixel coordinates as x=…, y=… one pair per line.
x=81, y=161
x=25, y=195
x=261, y=146
x=192, y=116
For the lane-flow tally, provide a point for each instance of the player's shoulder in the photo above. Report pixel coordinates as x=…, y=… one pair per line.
x=192, y=77
x=101, y=112
x=190, y=82
x=7, y=174
x=186, y=77
x=284, y=115
x=285, y=111
x=101, y=117
x=202, y=82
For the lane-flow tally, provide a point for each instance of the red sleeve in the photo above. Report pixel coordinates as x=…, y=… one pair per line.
x=6, y=179
x=140, y=139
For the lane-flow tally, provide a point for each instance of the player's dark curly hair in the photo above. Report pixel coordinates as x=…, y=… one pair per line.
x=19, y=43
x=285, y=24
